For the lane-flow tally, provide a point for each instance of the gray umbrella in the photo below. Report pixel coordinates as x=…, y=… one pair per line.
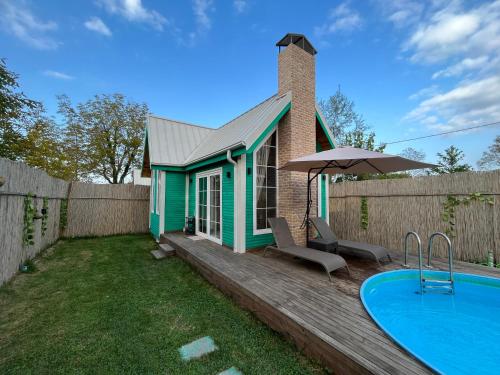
x=351, y=160
x=347, y=160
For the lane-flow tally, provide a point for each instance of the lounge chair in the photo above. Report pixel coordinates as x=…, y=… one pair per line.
x=328, y=238
x=285, y=244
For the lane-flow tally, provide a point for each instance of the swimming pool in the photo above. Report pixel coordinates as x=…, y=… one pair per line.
x=452, y=334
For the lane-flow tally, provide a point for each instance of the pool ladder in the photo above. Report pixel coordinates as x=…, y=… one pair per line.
x=426, y=284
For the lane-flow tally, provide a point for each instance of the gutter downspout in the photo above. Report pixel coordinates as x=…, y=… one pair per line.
x=236, y=205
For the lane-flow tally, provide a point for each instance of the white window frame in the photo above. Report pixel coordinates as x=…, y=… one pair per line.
x=211, y=172
x=152, y=194
x=256, y=231
x=158, y=188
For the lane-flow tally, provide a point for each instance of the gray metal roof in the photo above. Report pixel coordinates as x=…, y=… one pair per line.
x=170, y=142
x=178, y=144
x=243, y=130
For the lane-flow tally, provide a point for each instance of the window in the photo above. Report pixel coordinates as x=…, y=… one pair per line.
x=265, y=182
x=152, y=194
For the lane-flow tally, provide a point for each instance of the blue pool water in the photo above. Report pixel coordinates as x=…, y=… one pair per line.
x=452, y=334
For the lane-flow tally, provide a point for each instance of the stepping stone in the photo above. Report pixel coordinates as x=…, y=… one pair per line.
x=197, y=348
x=158, y=254
x=164, y=251
x=167, y=249
x=231, y=371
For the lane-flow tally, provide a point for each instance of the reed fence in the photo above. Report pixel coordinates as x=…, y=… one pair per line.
x=401, y=205
x=92, y=210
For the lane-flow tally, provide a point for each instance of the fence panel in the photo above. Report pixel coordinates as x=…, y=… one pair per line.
x=101, y=210
x=93, y=210
x=401, y=205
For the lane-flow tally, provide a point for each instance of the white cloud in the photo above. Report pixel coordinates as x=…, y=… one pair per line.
x=97, y=25
x=341, y=19
x=463, y=39
x=17, y=19
x=240, y=5
x=446, y=36
x=201, y=10
x=401, y=13
x=459, y=68
x=454, y=31
x=58, y=75
x=134, y=11
x=469, y=103
x=424, y=93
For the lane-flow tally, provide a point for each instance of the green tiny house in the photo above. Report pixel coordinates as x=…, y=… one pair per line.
x=228, y=178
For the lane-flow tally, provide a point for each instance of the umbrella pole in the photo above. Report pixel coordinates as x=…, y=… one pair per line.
x=308, y=205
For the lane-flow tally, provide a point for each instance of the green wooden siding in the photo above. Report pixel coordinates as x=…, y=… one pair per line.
x=324, y=198
x=227, y=199
x=174, y=201
x=260, y=240
x=154, y=227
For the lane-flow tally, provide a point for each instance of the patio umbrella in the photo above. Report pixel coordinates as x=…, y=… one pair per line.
x=348, y=160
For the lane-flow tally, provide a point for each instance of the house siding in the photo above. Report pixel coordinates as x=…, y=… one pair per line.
x=154, y=218
x=324, y=196
x=227, y=199
x=175, y=201
x=260, y=240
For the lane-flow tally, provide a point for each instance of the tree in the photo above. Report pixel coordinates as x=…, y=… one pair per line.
x=449, y=162
x=16, y=110
x=43, y=149
x=105, y=134
x=491, y=158
x=413, y=154
x=341, y=116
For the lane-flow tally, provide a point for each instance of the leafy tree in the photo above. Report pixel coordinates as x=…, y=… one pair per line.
x=491, y=158
x=105, y=134
x=349, y=128
x=450, y=162
x=15, y=111
x=413, y=154
x=44, y=149
x=341, y=116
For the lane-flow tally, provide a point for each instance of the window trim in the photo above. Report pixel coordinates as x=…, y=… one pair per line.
x=208, y=173
x=158, y=188
x=257, y=232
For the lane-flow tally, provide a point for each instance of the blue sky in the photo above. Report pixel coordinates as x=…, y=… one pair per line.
x=412, y=67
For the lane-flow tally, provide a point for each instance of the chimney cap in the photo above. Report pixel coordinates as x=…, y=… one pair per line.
x=299, y=40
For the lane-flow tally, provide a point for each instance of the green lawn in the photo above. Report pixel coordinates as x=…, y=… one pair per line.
x=103, y=305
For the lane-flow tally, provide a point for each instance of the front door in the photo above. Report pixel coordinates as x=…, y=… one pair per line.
x=208, y=205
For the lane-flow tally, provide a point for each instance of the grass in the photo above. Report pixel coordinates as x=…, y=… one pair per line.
x=104, y=306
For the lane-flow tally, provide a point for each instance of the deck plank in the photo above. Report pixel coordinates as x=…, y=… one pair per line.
x=325, y=320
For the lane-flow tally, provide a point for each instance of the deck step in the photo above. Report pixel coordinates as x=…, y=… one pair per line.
x=164, y=251
x=167, y=249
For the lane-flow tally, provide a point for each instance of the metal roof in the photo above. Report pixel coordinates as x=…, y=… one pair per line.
x=170, y=142
x=176, y=143
x=243, y=130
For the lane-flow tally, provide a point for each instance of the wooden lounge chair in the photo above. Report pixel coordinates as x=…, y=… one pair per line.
x=285, y=244
x=345, y=246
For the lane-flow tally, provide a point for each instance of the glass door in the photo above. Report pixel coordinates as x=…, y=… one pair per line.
x=202, y=205
x=215, y=207
x=209, y=206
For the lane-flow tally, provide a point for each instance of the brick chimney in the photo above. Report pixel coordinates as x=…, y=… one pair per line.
x=297, y=130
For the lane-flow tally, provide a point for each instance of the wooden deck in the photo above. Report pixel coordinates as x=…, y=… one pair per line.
x=325, y=320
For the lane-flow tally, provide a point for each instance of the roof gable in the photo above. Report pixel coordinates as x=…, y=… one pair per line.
x=243, y=130
x=175, y=143
x=170, y=142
